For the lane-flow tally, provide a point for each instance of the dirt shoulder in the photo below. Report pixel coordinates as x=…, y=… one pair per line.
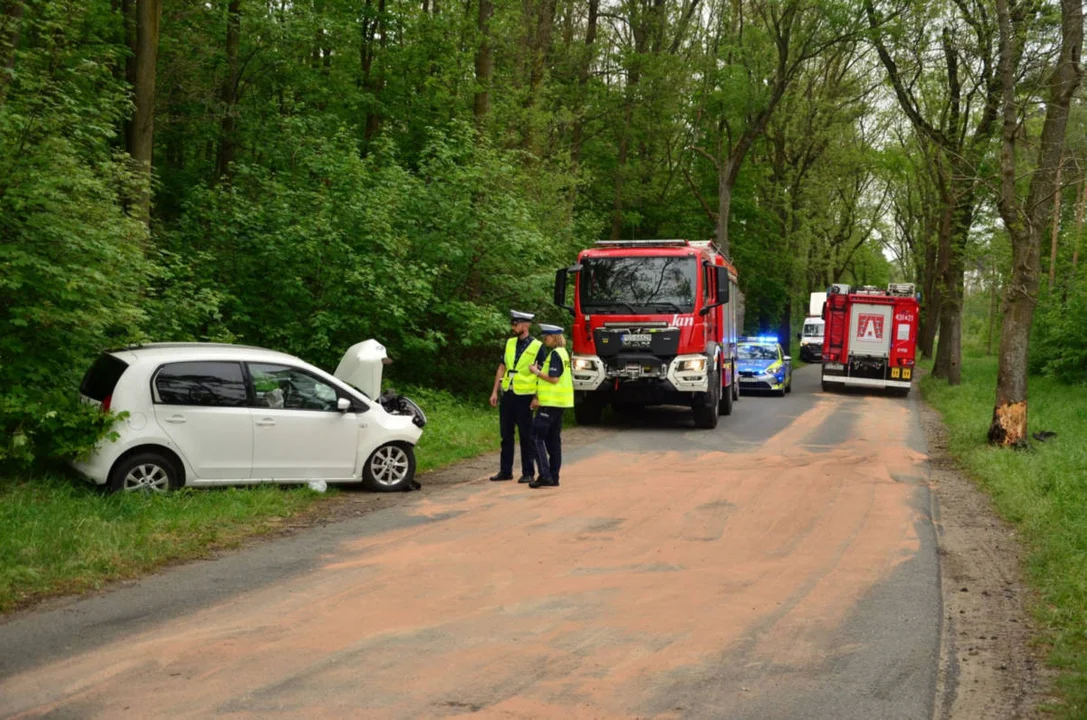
x=988, y=665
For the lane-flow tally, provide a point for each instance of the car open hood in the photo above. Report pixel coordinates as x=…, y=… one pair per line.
x=361, y=367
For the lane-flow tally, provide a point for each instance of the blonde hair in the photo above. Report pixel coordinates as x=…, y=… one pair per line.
x=554, y=341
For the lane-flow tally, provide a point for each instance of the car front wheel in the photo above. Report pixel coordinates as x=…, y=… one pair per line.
x=390, y=468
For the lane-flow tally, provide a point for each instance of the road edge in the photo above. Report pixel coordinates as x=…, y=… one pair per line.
x=989, y=662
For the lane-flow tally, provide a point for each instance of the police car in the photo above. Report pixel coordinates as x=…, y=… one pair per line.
x=763, y=365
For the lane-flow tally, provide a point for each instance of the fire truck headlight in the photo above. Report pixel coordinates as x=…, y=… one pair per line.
x=583, y=364
x=698, y=365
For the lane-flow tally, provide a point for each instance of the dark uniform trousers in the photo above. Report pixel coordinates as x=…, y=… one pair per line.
x=516, y=411
x=548, y=431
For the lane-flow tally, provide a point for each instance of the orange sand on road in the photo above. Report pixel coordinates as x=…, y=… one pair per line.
x=586, y=601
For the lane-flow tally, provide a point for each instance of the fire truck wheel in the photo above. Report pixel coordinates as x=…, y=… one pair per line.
x=588, y=412
x=725, y=406
x=830, y=386
x=705, y=412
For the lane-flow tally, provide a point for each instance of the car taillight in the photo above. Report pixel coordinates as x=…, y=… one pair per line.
x=106, y=403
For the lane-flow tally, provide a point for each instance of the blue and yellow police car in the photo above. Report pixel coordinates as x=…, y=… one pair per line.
x=763, y=365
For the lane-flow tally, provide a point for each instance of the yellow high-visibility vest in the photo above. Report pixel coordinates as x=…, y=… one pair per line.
x=517, y=373
x=560, y=394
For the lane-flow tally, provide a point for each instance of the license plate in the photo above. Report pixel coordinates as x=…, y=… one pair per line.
x=835, y=366
x=637, y=339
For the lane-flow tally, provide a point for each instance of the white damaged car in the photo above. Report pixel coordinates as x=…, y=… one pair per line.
x=212, y=414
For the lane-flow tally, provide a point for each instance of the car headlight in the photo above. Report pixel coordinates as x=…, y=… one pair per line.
x=698, y=365
x=771, y=369
x=583, y=364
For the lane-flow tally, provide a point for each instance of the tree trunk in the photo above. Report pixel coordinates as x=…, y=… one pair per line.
x=582, y=81
x=1026, y=221
x=228, y=93
x=1056, y=230
x=932, y=293
x=724, y=205
x=1079, y=224
x=128, y=24
x=484, y=64
x=141, y=133
x=949, y=350
x=373, y=78
x=539, y=57
x=621, y=165
x=992, y=309
x=10, y=20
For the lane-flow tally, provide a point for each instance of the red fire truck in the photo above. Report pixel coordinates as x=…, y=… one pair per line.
x=654, y=324
x=870, y=337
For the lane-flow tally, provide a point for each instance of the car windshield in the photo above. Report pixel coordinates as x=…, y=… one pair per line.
x=813, y=330
x=638, y=284
x=758, y=352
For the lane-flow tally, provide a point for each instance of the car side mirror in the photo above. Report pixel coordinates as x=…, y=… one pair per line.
x=343, y=404
x=788, y=359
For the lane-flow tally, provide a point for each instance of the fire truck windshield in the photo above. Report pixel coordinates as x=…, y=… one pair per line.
x=638, y=284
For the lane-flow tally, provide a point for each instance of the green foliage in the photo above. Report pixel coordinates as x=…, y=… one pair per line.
x=1042, y=493
x=1059, y=338
x=320, y=248
x=72, y=266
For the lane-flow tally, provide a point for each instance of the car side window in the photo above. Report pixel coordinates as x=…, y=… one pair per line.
x=202, y=383
x=288, y=388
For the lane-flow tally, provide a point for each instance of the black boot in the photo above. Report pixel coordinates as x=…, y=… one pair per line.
x=544, y=482
x=500, y=476
x=525, y=479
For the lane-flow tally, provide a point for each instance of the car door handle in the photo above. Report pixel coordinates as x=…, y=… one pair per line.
x=176, y=419
x=266, y=422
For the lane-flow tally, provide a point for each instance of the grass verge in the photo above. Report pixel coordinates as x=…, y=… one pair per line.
x=60, y=535
x=1043, y=492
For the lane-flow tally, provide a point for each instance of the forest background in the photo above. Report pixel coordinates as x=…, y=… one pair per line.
x=303, y=175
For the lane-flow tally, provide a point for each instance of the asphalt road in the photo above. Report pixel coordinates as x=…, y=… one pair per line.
x=780, y=566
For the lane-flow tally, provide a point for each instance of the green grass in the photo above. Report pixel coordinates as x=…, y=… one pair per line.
x=60, y=535
x=457, y=429
x=1043, y=492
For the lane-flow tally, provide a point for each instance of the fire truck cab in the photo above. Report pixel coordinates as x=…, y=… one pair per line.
x=870, y=337
x=654, y=324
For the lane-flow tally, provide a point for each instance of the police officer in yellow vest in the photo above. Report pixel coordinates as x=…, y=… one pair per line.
x=554, y=394
x=518, y=388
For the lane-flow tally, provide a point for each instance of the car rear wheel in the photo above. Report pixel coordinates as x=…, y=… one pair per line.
x=147, y=471
x=390, y=468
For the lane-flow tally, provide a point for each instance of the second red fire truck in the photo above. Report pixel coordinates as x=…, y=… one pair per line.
x=870, y=337
x=654, y=324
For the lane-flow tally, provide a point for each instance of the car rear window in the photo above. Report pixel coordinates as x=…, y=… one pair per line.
x=216, y=384
x=101, y=379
